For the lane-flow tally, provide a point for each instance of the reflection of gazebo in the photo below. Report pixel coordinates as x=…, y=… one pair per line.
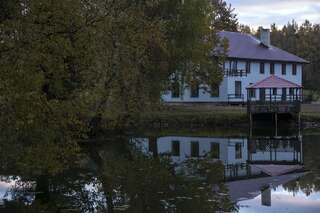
x=275, y=95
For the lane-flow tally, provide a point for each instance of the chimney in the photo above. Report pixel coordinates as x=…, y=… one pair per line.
x=265, y=37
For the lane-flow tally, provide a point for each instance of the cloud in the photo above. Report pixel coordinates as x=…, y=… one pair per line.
x=263, y=13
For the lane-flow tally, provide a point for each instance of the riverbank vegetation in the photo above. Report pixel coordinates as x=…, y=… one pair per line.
x=215, y=117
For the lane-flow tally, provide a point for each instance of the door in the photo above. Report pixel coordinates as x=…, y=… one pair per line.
x=262, y=93
x=238, y=89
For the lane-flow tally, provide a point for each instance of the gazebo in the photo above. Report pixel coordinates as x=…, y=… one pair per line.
x=274, y=95
x=274, y=89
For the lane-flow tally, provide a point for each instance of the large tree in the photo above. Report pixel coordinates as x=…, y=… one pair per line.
x=66, y=65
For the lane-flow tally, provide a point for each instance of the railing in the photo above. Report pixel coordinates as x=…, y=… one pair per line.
x=235, y=72
x=276, y=98
x=279, y=147
x=274, y=107
x=235, y=98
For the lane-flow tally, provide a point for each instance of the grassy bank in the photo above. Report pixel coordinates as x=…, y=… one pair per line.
x=185, y=117
x=311, y=112
x=206, y=116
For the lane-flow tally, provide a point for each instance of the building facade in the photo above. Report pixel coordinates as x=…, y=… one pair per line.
x=250, y=60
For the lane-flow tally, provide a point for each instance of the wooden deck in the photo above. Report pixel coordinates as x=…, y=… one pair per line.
x=259, y=107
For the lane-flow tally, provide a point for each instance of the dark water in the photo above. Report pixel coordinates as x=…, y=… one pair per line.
x=176, y=171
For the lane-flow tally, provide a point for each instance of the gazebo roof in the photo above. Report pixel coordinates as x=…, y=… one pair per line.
x=274, y=82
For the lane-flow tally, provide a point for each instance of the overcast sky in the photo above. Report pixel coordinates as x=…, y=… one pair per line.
x=265, y=12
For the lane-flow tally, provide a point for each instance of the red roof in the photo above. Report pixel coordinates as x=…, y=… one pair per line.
x=274, y=82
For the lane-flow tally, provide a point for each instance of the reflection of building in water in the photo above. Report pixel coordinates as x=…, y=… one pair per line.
x=276, y=150
x=233, y=152
x=266, y=197
x=236, y=153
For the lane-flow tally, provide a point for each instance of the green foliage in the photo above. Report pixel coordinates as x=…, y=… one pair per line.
x=304, y=41
x=224, y=16
x=65, y=66
x=194, y=41
x=195, y=118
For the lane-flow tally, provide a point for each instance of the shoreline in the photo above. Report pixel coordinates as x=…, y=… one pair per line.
x=196, y=117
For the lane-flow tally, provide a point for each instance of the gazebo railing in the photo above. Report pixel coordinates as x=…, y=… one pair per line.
x=274, y=107
x=277, y=98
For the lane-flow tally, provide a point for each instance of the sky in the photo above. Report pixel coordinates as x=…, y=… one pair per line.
x=257, y=13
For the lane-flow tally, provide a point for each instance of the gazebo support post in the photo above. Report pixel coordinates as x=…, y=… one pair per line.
x=299, y=121
x=250, y=123
x=276, y=123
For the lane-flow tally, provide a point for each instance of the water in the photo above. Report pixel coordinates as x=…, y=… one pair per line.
x=189, y=171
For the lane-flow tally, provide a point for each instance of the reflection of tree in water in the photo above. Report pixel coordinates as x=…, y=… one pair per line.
x=56, y=177
x=310, y=183
x=148, y=184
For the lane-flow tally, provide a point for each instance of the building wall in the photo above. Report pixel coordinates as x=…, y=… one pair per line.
x=227, y=86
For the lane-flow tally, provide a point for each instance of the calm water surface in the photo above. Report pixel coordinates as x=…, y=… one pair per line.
x=189, y=171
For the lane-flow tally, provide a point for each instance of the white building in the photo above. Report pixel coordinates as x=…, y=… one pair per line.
x=250, y=61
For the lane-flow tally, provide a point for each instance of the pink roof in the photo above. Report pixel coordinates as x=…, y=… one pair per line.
x=274, y=82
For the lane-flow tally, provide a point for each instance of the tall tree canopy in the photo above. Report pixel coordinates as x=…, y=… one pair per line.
x=304, y=41
x=65, y=65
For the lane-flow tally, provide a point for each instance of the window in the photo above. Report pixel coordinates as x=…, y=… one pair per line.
x=271, y=68
x=194, y=90
x=175, y=90
x=238, y=151
x=233, y=65
x=294, y=69
x=274, y=91
x=262, y=68
x=238, y=89
x=252, y=93
x=175, y=147
x=215, y=151
x=248, y=67
x=284, y=69
x=215, y=92
x=194, y=149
